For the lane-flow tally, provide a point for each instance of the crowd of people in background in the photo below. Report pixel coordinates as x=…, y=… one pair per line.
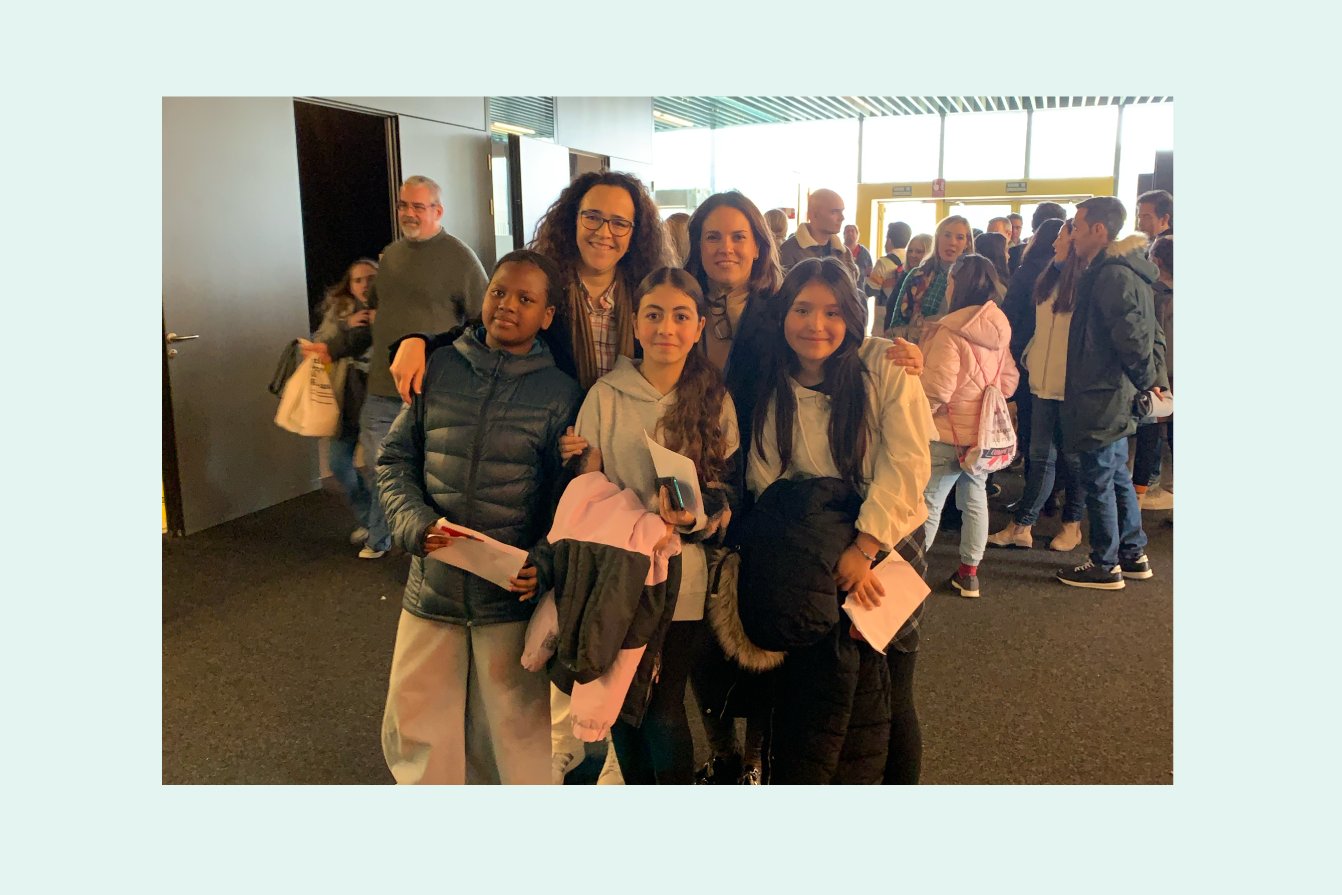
x=831, y=402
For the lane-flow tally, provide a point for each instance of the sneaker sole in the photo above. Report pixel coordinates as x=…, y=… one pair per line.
x=973, y=594
x=1139, y=576
x=1093, y=585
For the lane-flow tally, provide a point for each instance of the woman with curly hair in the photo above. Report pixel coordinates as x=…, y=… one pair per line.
x=605, y=235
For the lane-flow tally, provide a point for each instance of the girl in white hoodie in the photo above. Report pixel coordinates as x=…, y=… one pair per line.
x=968, y=350
x=677, y=396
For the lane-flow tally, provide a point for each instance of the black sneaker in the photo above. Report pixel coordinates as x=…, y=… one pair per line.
x=1090, y=575
x=967, y=585
x=1137, y=569
x=718, y=771
x=751, y=777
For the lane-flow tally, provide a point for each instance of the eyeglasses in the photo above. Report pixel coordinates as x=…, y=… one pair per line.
x=419, y=207
x=722, y=324
x=593, y=220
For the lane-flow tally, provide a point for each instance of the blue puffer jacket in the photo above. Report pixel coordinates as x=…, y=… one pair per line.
x=479, y=446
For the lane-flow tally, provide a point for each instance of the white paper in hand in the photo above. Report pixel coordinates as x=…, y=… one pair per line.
x=481, y=555
x=904, y=591
x=668, y=464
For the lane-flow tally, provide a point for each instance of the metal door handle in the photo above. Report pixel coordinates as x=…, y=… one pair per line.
x=173, y=337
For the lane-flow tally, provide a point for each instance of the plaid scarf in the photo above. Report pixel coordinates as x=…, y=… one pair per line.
x=584, y=352
x=924, y=292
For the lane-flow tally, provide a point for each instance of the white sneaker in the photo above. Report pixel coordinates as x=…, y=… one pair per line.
x=370, y=553
x=561, y=763
x=358, y=536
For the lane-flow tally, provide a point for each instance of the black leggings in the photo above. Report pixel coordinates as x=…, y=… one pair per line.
x=904, y=761
x=661, y=750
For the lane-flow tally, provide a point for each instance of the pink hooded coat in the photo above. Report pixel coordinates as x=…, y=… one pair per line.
x=965, y=351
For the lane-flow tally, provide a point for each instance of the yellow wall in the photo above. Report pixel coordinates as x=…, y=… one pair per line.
x=1038, y=190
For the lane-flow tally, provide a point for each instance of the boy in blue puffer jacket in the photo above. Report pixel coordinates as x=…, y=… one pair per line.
x=479, y=446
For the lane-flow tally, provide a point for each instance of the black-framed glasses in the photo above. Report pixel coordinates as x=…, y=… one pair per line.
x=722, y=324
x=592, y=220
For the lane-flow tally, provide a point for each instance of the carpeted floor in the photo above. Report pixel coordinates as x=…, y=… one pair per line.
x=277, y=644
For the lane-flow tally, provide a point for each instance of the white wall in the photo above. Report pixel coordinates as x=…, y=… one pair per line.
x=619, y=126
x=466, y=111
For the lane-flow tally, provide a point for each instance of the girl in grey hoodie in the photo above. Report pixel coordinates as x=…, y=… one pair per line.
x=675, y=395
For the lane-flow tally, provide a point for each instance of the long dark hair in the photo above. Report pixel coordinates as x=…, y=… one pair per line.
x=693, y=424
x=850, y=424
x=1041, y=243
x=993, y=246
x=766, y=275
x=976, y=281
x=557, y=233
x=1065, y=281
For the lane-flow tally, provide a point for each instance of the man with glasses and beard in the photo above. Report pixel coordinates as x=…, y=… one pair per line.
x=429, y=281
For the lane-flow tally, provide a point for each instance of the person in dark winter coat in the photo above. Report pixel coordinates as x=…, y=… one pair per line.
x=478, y=447
x=1115, y=349
x=832, y=407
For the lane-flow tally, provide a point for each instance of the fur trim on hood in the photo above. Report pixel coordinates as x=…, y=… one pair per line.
x=1119, y=247
x=724, y=617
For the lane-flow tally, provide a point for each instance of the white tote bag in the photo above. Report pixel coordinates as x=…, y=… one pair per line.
x=308, y=405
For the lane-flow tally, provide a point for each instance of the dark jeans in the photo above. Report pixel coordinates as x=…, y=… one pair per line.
x=1045, y=451
x=1150, y=445
x=661, y=751
x=1111, y=502
x=904, y=761
x=1025, y=420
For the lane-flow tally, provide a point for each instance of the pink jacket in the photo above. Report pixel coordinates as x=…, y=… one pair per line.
x=965, y=351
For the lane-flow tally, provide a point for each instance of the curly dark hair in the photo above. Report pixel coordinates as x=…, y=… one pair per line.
x=693, y=425
x=557, y=233
x=850, y=423
x=766, y=274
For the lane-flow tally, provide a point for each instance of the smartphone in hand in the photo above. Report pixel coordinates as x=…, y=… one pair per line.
x=673, y=492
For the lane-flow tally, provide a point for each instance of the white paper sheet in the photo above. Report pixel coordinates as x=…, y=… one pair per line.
x=904, y=591
x=490, y=559
x=668, y=463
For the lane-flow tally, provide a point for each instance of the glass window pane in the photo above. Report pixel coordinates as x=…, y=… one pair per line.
x=979, y=215
x=1076, y=142
x=901, y=148
x=682, y=160
x=1027, y=210
x=1147, y=128
x=985, y=146
x=776, y=164
x=921, y=216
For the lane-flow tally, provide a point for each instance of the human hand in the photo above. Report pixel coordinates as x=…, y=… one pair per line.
x=907, y=355
x=359, y=318
x=571, y=445
x=524, y=585
x=671, y=516
x=868, y=592
x=851, y=574
x=407, y=368
x=718, y=523
x=435, y=538
x=315, y=349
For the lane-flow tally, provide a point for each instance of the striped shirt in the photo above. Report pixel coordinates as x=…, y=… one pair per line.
x=601, y=317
